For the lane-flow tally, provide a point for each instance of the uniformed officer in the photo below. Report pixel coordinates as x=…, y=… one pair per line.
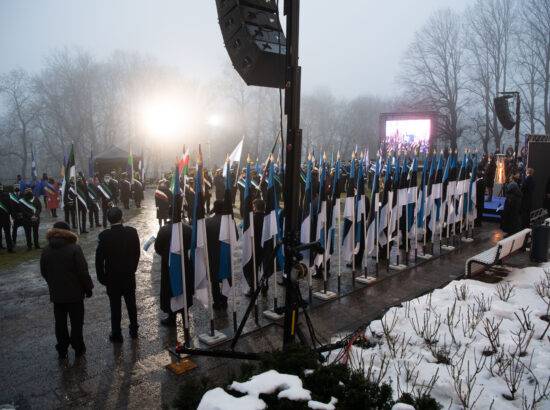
x=5, y=222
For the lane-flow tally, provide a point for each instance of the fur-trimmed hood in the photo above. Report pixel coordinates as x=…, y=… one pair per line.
x=60, y=237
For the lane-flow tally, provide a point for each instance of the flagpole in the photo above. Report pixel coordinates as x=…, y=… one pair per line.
x=353, y=242
x=275, y=293
x=325, y=236
x=185, y=308
x=365, y=221
x=377, y=225
x=388, y=235
x=339, y=242
x=75, y=191
x=255, y=281
x=232, y=273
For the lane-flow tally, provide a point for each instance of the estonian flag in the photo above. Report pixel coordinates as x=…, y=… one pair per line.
x=247, y=259
x=270, y=227
x=386, y=203
x=437, y=191
x=176, y=267
x=373, y=211
x=320, y=234
x=198, y=242
x=360, y=209
x=412, y=193
x=395, y=203
x=335, y=212
x=228, y=236
x=421, y=211
x=349, y=212
x=305, y=226
x=472, y=192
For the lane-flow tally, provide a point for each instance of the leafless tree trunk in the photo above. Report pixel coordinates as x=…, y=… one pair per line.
x=17, y=125
x=490, y=28
x=433, y=72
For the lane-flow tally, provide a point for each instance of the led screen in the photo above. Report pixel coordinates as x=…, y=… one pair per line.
x=408, y=132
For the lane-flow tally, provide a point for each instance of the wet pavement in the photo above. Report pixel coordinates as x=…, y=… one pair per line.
x=133, y=374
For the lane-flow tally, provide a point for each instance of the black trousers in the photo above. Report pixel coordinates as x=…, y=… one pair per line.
x=70, y=213
x=5, y=226
x=28, y=227
x=75, y=312
x=104, y=216
x=93, y=214
x=116, y=307
x=82, y=211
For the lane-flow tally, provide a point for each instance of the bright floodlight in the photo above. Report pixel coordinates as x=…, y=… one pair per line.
x=164, y=118
x=214, y=120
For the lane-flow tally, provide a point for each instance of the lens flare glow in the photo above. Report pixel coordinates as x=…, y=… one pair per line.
x=165, y=118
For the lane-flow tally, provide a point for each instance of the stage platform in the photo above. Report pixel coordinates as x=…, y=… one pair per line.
x=493, y=209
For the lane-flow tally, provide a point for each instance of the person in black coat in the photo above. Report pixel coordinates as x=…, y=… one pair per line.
x=219, y=184
x=527, y=198
x=125, y=189
x=490, y=177
x=480, y=197
x=64, y=267
x=163, y=202
x=511, y=214
x=162, y=247
x=114, y=187
x=137, y=191
x=116, y=261
x=5, y=222
x=30, y=206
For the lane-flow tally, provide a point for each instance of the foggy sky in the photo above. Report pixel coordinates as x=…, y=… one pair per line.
x=348, y=47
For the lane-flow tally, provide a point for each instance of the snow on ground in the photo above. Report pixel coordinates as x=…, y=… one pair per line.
x=469, y=345
x=456, y=324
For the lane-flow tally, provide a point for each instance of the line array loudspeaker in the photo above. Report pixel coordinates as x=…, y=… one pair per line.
x=503, y=112
x=254, y=40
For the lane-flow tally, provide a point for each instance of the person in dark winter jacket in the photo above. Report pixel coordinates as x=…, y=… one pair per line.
x=528, y=197
x=511, y=214
x=116, y=262
x=490, y=177
x=30, y=207
x=64, y=267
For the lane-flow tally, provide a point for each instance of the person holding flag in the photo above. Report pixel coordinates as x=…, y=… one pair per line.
x=172, y=243
x=387, y=198
x=321, y=260
x=348, y=239
x=5, y=219
x=69, y=192
x=334, y=215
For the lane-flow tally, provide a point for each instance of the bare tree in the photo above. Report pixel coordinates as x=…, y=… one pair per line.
x=535, y=44
x=17, y=125
x=433, y=71
x=490, y=30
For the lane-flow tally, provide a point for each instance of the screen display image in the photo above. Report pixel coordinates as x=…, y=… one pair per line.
x=408, y=133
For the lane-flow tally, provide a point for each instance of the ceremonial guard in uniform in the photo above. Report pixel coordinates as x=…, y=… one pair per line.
x=113, y=186
x=30, y=207
x=16, y=213
x=207, y=190
x=137, y=191
x=5, y=223
x=116, y=262
x=82, y=198
x=163, y=199
x=125, y=189
x=219, y=184
x=189, y=197
x=241, y=185
x=93, y=203
x=106, y=198
x=69, y=205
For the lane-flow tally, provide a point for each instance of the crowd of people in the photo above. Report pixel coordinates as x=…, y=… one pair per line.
x=81, y=201
x=65, y=269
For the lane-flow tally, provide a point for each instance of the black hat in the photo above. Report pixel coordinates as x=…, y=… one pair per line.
x=114, y=215
x=62, y=225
